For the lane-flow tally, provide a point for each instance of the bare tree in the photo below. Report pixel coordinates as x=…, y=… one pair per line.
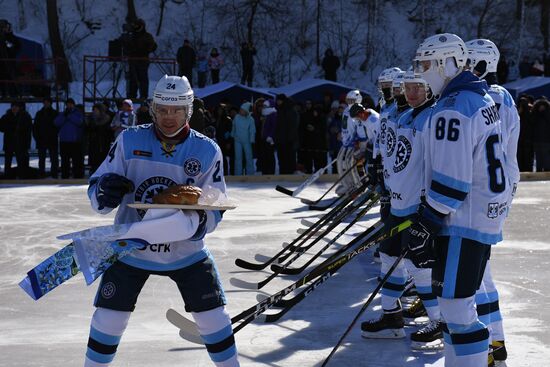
x=64, y=75
x=482, y=16
x=544, y=13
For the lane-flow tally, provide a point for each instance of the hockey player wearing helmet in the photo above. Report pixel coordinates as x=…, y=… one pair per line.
x=143, y=161
x=405, y=182
x=466, y=194
x=483, y=56
x=344, y=160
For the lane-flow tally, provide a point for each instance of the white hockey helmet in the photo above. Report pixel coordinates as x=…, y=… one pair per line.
x=353, y=96
x=483, y=50
x=397, y=83
x=172, y=91
x=439, y=59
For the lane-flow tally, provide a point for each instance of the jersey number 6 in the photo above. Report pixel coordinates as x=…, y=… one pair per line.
x=494, y=165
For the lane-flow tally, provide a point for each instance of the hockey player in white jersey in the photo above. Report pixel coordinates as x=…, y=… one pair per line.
x=344, y=159
x=405, y=184
x=366, y=121
x=143, y=162
x=466, y=194
x=483, y=56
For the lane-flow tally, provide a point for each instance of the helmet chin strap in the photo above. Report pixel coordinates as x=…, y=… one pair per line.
x=175, y=137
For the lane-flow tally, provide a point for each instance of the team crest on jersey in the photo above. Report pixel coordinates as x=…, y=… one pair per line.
x=390, y=143
x=192, y=167
x=402, y=154
x=149, y=188
x=108, y=290
x=382, y=137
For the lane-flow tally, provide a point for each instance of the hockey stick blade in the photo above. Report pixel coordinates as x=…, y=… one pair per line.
x=287, y=271
x=250, y=266
x=308, y=202
x=243, y=284
x=284, y=190
x=188, y=329
x=279, y=303
x=324, y=207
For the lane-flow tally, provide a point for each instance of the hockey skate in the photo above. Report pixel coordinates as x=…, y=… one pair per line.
x=499, y=350
x=428, y=338
x=415, y=311
x=387, y=326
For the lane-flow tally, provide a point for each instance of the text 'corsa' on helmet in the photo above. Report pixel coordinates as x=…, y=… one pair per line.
x=480, y=50
x=172, y=104
x=439, y=59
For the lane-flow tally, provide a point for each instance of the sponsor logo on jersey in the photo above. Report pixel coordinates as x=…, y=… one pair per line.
x=192, y=167
x=402, y=154
x=496, y=209
x=142, y=153
x=149, y=188
x=157, y=247
x=390, y=143
x=108, y=290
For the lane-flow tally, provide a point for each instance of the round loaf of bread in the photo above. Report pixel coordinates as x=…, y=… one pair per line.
x=179, y=195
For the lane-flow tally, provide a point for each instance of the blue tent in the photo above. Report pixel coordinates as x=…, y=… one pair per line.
x=536, y=86
x=315, y=89
x=233, y=93
x=30, y=52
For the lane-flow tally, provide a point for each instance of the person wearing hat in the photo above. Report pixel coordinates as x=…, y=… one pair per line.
x=16, y=124
x=244, y=133
x=138, y=49
x=70, y=124
x=124, y=118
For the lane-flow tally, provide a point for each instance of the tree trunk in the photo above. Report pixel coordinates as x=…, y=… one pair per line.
x=318, y=44
x=545, y=10
x=162, y=6
x=63, y=71
x=250, y=23
x=131, y=16
x=482, y=18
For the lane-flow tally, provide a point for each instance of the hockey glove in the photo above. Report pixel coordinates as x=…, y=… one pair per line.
x=385, y=206
x=111, y=188
x=419, y=237
x=374, y=170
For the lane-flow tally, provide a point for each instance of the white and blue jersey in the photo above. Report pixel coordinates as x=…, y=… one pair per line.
x=407, y=175
x=153, y=166
x=348, y=129
x=465, y=174
x=509, y=118
x=388, y=111
x=388, y=142
x=372, y=125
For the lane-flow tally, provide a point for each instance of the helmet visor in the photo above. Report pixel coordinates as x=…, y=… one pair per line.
x=422, y=66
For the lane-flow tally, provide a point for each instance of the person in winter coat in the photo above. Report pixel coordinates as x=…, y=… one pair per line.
x=99, y=134
x=248, y=51
x=198, y=119
x=267, y=146
x=45, y=135
x=286, y=134
x=525, y=152
x=330, y=64
x=140, y=45
x=243, y=133
x=224, y=125
x=16, y=124
x=215, y=62
x=313, y=130
x=186, y=60
x=540, y=116
x=202, y=69
x=70, y=124
x=335, y=133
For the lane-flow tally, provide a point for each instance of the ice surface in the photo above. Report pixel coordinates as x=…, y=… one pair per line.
x=54, y=330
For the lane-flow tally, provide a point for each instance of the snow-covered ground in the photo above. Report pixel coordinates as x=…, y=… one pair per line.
x=54, y=330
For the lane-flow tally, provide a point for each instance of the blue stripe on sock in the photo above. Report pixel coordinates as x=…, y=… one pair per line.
x=473, y=348
x=447, y=338
x=481, y=298
x=485, y=319
x=226, y=354
x=218, y=336
x=493, y=296
x=98, y=357
x=430, y=303
x=495, y=316
x=451, y=267
x=464, y=329
x=104, y=338
x=394, y=280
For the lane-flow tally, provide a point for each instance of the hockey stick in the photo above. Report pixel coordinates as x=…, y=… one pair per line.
x=314, y=202
x=294, y=271
x=365, y=305
x=292, y=246
x=188, y=328
x=249, y=285
x=311, y=179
